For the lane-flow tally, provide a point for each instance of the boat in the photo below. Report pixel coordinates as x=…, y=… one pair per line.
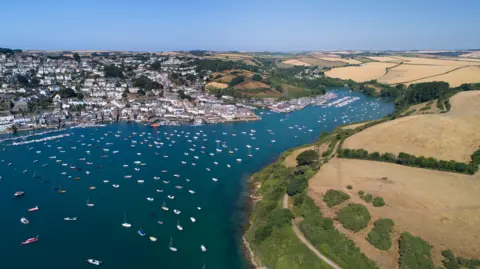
x=125, y=223
x=176, y=211
x=140, y=181
x=24, y=221
x=150, y=199
x=203, y=248
x=116, y=186
x=30, y=240
x=18, y=194
x=171, y=246
x=141, y=232
x=192, y=192
x=70, y=218
x=33, y=209
x=214, y=179
x=153, y=239
x=193, y=219
x=180, y=228
x=171, y=197
x=94, y=262
x=89, y=204
x=92, y=188
x=164, y=206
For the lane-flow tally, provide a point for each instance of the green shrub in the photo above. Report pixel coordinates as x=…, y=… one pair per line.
x=256, y=77
x=334, y=197
x=354, y=217
x=367, y=198
x=307, y=157
x=414, y=252
x=349, y=187
x=380, y=236
x=361, y=193
x=450, y=261
x=236, y=80
x=263, y=232
x=298, y=199
x=378, y=202
x=279, y=217
x=296, y=185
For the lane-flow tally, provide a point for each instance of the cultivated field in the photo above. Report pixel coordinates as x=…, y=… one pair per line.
x=365, y=72
x=470, y=74
x=442, y=208
x=248, y=85
x=449, y=136
x=295, y=62
x=216, y=85
x=405, y=73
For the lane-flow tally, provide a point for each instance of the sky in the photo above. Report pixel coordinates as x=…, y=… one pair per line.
x=248, y=25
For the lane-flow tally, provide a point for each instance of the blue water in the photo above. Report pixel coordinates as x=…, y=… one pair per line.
x=98, y=233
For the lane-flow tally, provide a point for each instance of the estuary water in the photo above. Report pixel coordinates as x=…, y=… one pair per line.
x=199, y=171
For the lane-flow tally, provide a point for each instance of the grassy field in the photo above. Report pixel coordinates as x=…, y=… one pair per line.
x=216, y=85
x=295, y=62
x=426, y=203
x=448, y=136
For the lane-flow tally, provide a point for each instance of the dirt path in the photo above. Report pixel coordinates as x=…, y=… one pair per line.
x=306, y=242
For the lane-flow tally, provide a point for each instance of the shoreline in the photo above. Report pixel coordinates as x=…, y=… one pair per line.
x=251, y=200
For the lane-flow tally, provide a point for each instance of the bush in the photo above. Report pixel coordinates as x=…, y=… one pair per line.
x=414, y=252
x=380, y=236
x=378, y=202
x=256, y=77
x=263, y=232
x=296, y=185
x=367, y=198
x=334, y=197
x=354, y=217
x=361, y=193
x=280, y=216
x=236, y=80
x=450, y=261
x=307, y=157
x=349, y=187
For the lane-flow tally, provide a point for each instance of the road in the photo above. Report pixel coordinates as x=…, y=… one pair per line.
x=307, y=243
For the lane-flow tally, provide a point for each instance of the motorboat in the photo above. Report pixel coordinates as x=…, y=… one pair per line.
x=24, y=221
x=153, y=239
x=18, y=194
x=141, y=232
x=150, y=199
x=70, y=218
x=193, y=219
x=94, y=262
x=203, y=248
x=177, y=211
x=33, y=209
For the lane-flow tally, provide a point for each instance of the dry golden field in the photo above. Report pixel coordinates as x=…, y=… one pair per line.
x=365, y=72
x=449, y=136
x=470, y=74
x=295, y=62
x=216, y=85
x=248, y=85
x=442, y=208
x=406, y=73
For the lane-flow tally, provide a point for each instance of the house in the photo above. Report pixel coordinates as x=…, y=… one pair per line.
x=20, y=106
x=57, y=98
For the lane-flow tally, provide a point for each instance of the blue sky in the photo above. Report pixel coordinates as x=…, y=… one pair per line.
x=248, y=25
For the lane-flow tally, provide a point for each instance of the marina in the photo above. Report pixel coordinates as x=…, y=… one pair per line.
x=182, y=190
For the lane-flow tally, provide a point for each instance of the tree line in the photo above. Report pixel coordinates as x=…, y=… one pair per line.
x=411, y=160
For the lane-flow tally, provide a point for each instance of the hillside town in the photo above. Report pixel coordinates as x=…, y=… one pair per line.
x=41, y=90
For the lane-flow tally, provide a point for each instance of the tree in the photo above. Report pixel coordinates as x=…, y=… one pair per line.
x=77, y=57
x=80, y=96
x=67, y=93
x=256, y=77
x=307, y=157
x=236, y=80
x=280, y=216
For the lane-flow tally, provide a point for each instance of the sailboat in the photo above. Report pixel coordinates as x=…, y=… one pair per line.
x=89, y=204
x=164, y=206
x=180, y=228
x=125, y=223
x=171, y=247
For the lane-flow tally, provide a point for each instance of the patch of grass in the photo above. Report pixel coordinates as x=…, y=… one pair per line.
x=450, y=261
x=367, y=198
x=425, y=108
x=361, y=193
x=354, y=217
x=335, y=197
x=380, y=235
x=414, y=252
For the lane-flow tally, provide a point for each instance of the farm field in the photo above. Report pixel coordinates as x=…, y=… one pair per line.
x=449, y=136
x=406, y=73
x=470, y=74
x=430, y=204
x=295, y=62
x=216, y=85
x=366, y=72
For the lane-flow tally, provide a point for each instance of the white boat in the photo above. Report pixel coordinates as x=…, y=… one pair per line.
x=150, y=199
x=192, y=192
x=116, y=186
x=128, y=176
x=153, y=239
x=239, y=160
x=171, y=246
x=171, y=197
x=125, y=223
x=89, y=204
x=203, y=248
x=24, y=221
x=193, y=219
x=94, y=262
x=214, y=179
x=180, y=228
x=70, y=218
x=106, y=181
x=140, y=181
x=164, y=206
x=177, y=211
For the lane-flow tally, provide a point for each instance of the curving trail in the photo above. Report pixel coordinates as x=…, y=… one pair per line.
x=305, y=241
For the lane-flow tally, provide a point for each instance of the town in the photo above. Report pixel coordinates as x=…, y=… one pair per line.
x=38, y=90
